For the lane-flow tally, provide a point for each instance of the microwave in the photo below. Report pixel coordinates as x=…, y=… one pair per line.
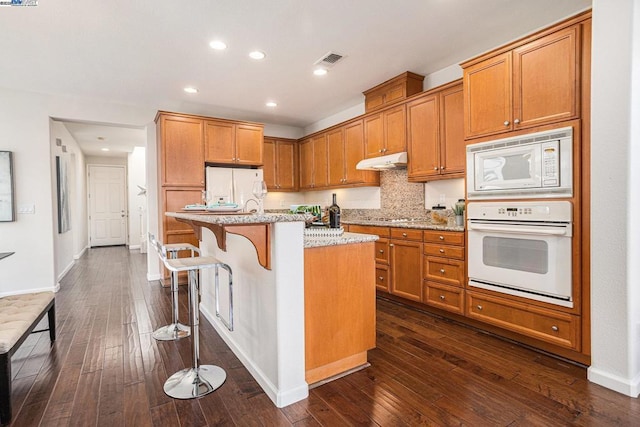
x=533, y=165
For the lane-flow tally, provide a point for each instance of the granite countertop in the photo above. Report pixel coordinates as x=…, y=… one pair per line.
x=421, y=225
x=345, y=239
x=243, y=218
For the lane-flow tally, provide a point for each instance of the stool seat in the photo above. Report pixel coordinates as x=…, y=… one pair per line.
x=186, y=264
x=170, y=247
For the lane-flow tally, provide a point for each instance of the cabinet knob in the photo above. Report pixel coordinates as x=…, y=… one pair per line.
x=441, y=168
x=381, y=278
x=380, y=150
x=381, y=251
x=506, y=122
x=391, y=245
x=442, y=297
x=441, y=237
x=554, y=328
x=479, y=307
x=404, y=234
x=516, y=121
x=441, y=250
x=435, y=168
x=442, y=270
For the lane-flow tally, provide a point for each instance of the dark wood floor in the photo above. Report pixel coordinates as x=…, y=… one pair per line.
x=105, y=369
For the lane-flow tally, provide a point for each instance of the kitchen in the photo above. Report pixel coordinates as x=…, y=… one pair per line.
x=604, y=218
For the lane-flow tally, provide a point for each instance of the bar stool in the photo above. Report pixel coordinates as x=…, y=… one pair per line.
x=175, y=330
x=197, y=380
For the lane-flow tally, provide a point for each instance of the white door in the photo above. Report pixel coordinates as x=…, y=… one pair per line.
x=107, y=209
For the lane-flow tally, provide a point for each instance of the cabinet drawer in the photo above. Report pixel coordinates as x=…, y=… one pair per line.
x=406, y=234
x=382, y=251
x=456, y=252
x=369, y=229
x=443, y=270
x=537, y=322
x=382, y=278
x=444, y=237
x=445, y=297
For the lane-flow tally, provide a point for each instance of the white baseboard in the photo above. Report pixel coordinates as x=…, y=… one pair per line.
x=153, y=277
x=280, y=398
x=66, y=270
x=54, y=288
x=78, y=256
x=629, y=387
x=134, y=247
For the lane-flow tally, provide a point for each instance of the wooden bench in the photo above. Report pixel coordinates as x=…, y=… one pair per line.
x=19, y=315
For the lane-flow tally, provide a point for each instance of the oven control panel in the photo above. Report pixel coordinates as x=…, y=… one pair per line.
x=527, y=211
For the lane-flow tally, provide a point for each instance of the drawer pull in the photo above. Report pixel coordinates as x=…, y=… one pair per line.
x=479, y=307
x=441, y=251
x=441, y=237
x=554, y=328
x=391, y=245
x=404, y=234
x=442, y=297
x=381, y=251
x=442, y=270
x=381, y=278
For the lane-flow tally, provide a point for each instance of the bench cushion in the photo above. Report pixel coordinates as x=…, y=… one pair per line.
x=17, y=313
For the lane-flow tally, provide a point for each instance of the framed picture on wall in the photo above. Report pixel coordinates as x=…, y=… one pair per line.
x=64, y=217
x=7, y=204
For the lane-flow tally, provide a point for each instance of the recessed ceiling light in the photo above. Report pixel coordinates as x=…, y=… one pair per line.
x=256, y=54
x=105, y=149
x=218, y=45
x=191, y=90
x=271, y=104
x=320, y=71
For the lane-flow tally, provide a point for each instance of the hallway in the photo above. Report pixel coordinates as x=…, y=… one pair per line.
x=106, y=369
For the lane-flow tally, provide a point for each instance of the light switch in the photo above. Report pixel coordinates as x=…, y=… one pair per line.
x=26, y=209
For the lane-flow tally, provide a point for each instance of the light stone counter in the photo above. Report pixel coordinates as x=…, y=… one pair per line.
x=346, y=239
x=242, y=218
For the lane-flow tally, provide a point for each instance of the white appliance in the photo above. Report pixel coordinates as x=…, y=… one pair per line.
x=521, y=248
x=231, y=185
x=389, y=161
x=532, y=165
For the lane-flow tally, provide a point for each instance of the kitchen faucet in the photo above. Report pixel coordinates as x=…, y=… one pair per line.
x=244, y=208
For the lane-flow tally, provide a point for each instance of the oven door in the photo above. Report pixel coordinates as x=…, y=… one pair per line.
x=532, y=260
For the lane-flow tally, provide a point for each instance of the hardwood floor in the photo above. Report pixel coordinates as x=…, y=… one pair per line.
x=105, y=369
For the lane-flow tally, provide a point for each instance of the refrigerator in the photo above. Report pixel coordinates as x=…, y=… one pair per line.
x=231, y=185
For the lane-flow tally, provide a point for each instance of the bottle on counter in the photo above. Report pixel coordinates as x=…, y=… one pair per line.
x=334, y=214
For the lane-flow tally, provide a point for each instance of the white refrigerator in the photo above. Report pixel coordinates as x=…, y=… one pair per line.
x=231, y=185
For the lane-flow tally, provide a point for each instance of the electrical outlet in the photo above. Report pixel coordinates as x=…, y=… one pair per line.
x=282, y=203
x=442, y=199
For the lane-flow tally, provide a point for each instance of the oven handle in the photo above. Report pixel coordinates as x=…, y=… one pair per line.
x=540, y=231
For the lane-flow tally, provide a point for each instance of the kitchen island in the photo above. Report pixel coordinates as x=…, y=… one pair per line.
x=303, y=308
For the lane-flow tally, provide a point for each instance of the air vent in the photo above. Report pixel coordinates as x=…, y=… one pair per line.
x=328, y=60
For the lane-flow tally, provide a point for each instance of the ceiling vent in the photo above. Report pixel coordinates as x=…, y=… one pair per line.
x=328, y=60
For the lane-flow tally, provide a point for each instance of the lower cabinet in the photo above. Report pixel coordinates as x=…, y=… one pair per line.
x=406, y=268
x=444, y=270
x=445, y=297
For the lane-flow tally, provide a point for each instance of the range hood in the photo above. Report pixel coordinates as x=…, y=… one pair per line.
x=390, y=161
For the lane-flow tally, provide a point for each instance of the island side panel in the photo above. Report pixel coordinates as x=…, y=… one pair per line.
x=340, y=308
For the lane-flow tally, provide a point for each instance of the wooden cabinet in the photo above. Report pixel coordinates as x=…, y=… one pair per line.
x=383, y=276
x=444, y=270
x=314, y=168
x=405, y=255
x=228, y=142
x=435, y=141
x=280, y=164
x=534, y=82
x=393, y=90
x=180, y=150
x=385, y=132
x=547, y=325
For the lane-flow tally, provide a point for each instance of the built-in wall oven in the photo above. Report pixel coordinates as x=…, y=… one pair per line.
x=522, y=248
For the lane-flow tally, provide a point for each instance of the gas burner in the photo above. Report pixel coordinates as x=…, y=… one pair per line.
x=393, y=220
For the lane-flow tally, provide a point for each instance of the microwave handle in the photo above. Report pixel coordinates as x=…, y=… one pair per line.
x=540, y=231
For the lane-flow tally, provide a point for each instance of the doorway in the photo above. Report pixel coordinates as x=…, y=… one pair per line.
x=107, y=205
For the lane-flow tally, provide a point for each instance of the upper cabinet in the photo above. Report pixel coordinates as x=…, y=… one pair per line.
x=385, y=132
x=281, y=164
x=395, y=89
x=346, y=149
x=234, y=143
x=529, y=84
x=313, y=163
x=436, y=146
x=180, y=150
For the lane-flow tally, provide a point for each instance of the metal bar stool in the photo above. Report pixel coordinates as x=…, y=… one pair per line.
x=197, y=380
x=175, y=330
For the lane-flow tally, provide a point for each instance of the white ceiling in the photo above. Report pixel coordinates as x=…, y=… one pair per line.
x=92, y=138
x=144, y=52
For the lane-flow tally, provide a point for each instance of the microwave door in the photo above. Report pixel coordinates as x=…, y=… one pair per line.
x=508, y=169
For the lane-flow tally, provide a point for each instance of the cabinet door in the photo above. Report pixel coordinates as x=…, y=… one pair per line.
x=382, y=277
x=287, y=172
x=320, y=161
x=306, y=164
x=452, y=146
x=423, y=130
x=354, y=152
x=269, y=170
x=406, y=269
x=546, y=79
x=249, y=144
x=336, y=158
x=487, y=96
x=181, y=151
x=373, y=135
x=395, y=130
x=219, y=139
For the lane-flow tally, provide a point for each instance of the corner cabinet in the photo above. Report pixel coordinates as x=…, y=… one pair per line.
x=280, y=164
x=435, y=141
x=233, y=143
x=523, y=85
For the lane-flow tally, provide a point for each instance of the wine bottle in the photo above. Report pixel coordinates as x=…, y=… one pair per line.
x=334, y=214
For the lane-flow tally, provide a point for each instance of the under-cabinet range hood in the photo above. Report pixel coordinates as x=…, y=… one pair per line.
x=390, y=161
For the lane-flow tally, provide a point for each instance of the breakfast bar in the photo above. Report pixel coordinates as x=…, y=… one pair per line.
x=303, y=307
